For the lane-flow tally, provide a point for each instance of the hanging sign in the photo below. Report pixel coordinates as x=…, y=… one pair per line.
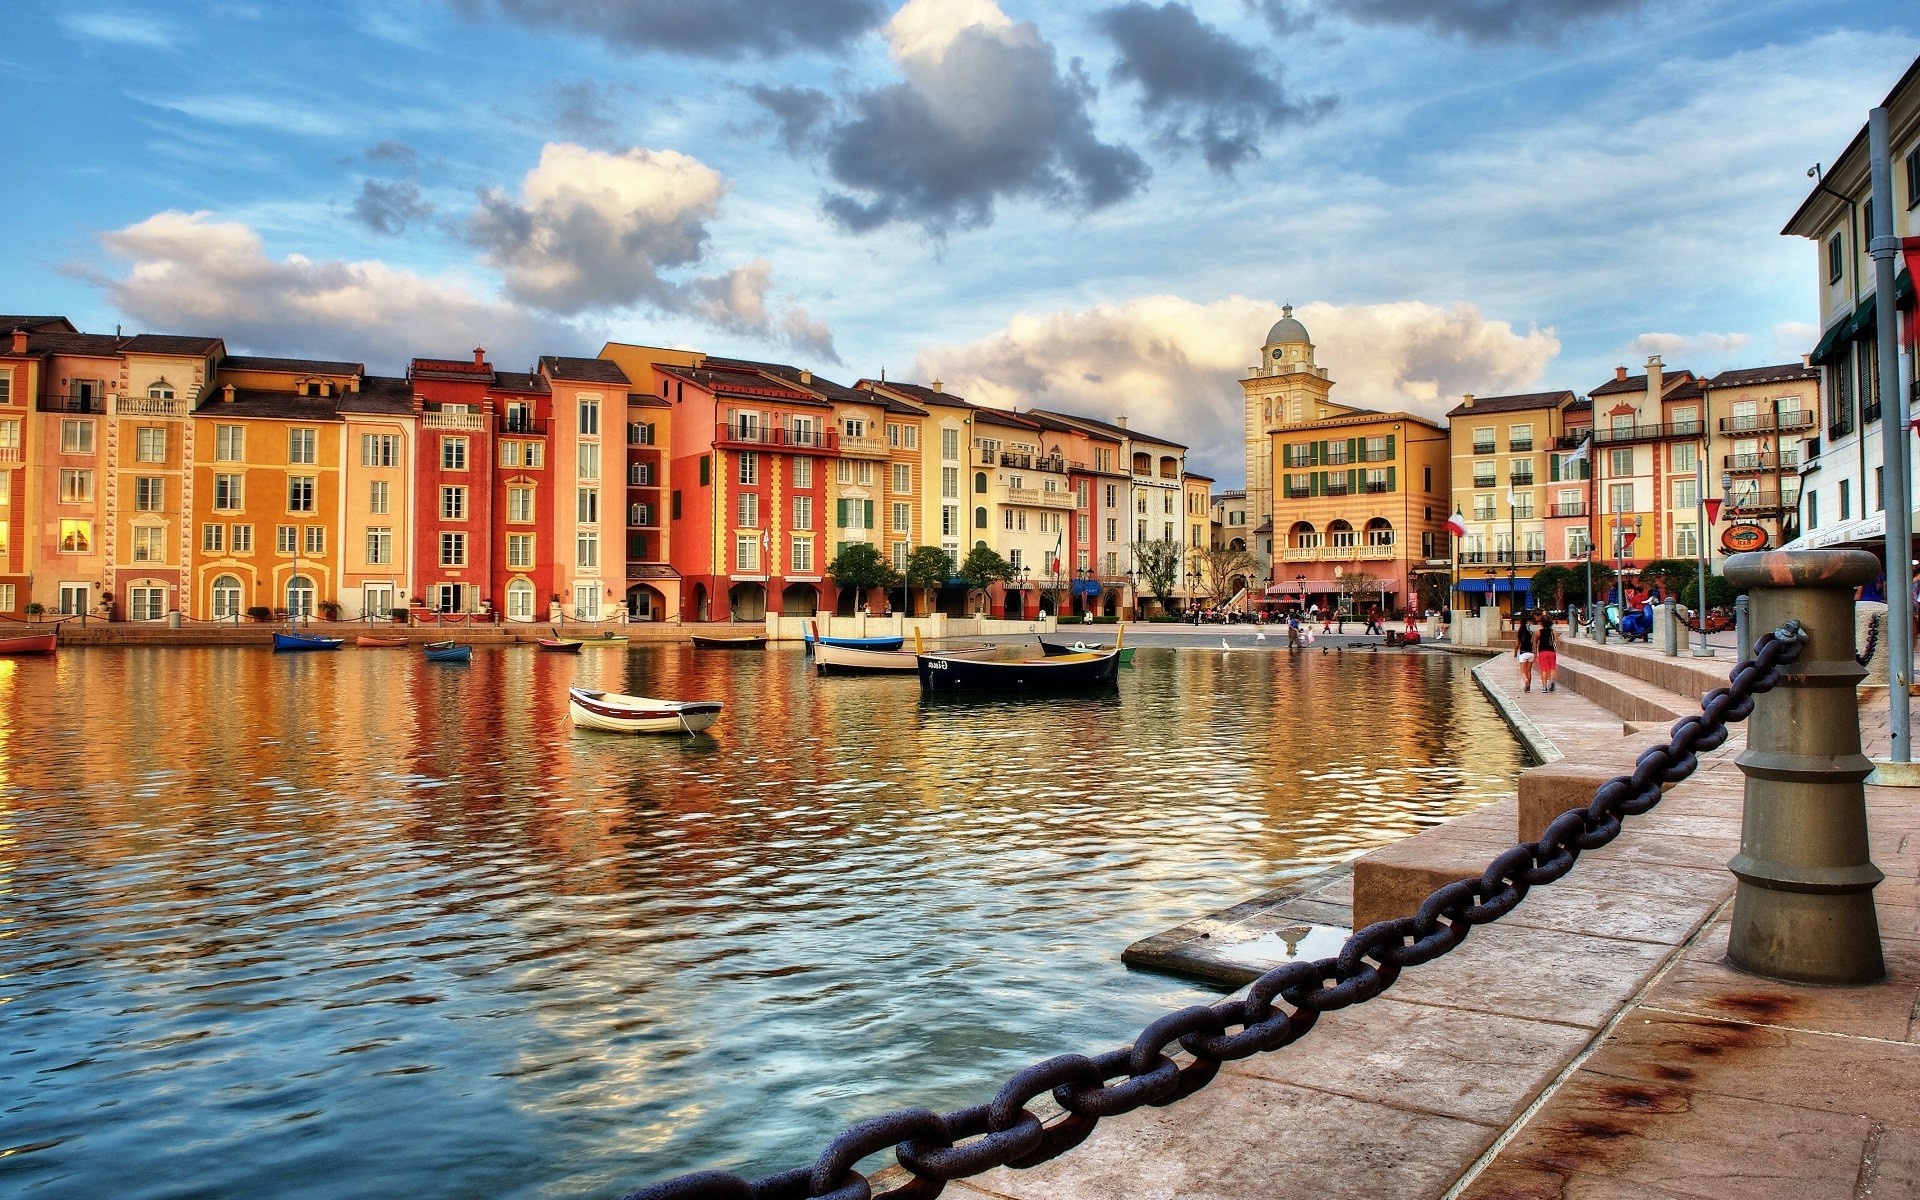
x=1743, y=538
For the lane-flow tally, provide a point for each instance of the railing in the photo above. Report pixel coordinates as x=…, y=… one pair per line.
x=1299, y=464
x=536, y=426
x=1335, y=488
x=758, y=436
x=1569, y=510
x=94, y=405
x=1484, y=481
x=1375, y=553
x=1759, y=504
x=1869, y=413
x=1346, y=553
x=1375, y=488
x=1036, y=498
x=1375, y=456
x=1525, y=447
x=1789, y=461
x=9, y=454
x=445, y=420
x=148, y=406
x=1473, y=558
x=860, y=444
x=1533, y=556
x=1298, y=493
x=1798, y=418
x=1521, y=479
x=1647, y=433
x=1570, y=441
x=1338, y=459
x=1484, y=448
x=1300, y=554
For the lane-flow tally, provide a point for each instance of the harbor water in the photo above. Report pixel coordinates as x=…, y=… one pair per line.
x=354, y=925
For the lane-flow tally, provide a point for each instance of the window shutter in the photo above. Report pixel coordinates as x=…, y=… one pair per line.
x=840, y=514
x=1317, y=476
x=1389, y=446
x=1353, y=479
x=869, y=513
x=1353, y=449
x=1390, y=478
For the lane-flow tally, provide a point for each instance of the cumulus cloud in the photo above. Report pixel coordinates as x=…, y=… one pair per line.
x=1794, y=338
x=1170, y=364
x=593, y=229
x=389, y=207
x=394, y=153
x=1489, y=20
x=724, y=29
x=1200, y=88
x=190, y=273
x=1672, y=347
x=983, y=112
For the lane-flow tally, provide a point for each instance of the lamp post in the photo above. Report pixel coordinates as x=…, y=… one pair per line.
x=1702, y=650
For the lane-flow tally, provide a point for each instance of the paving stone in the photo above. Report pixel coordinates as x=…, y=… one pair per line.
x=1542, y=974
x=1587, y=907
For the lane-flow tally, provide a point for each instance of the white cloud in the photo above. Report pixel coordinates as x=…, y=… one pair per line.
x=1170, y=364
x=1674, y=347
x=1794, y=338
x=925, y=28
x=120, y=29
x=191, y=274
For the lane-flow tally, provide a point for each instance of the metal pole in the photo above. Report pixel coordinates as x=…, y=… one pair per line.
x=1700, y=602
x=1742, y=629
x=1895, y=489
x=1804, y=907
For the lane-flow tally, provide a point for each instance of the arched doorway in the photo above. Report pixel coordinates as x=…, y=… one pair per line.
x=800, y=600
x=747, y=602
x=1238, y=544
x=227, y=599
x=845, y=601
x=519, y=600
x=1046, y=605
x=645, y=603
x=701, y=603
x=1014, y=605
x=300, y=598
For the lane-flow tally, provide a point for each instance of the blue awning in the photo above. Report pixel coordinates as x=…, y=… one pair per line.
x=1494, y=585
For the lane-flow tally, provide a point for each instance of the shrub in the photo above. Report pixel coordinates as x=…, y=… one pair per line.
x=1720, y=593
x=259, y=613
x=330, y=609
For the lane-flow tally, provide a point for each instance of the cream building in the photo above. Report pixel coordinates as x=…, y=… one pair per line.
x=1285, y=388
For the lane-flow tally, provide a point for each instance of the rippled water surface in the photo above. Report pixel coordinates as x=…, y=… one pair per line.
x=352, y=925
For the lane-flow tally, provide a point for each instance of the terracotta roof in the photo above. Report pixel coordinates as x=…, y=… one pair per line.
x=898, y=406
x=92, y=345
x=1581, y=404
x=741, y=384
x=1367, y=416
x=1109, y=429
x=1200, y=477
x=1687, y=389
x=1784, y=373
x=645, y=400
x=387, y=394
x=918, y=394
x=583, y=370
x=651, y=571
x=10, y=323
x=520, y=381
x=170, y=343
x=1517, y=403
x=291, y=366
x=799, y=377
x=280, y=406
x=1638, y=383
x=1000, y=416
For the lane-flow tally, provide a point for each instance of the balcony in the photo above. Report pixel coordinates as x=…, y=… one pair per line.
x=9, y=454
x=1293, y=492
x=530, y=426
x=1375, y=488
x=1798, y=418
x=728, y=435
x=1483, y=481
x=1569, y=510
x=148, y=406
x=469, y=422
x=1525, y=447
x=1521, y=479
x=1473, y=558
x=1375, y=456
x=1766, y=503
x=1298, y=464
x=1337, y=458
x=1647, y=433
x=1483, y=448
x=1345, y=553
x=863, y=447
x=1335, y=487
x=1036, y=498
x=1377, y=553
x=1570, y=441
x=91, y=405
x=1300, y=554
x=1533, y=556
x=1776, y=461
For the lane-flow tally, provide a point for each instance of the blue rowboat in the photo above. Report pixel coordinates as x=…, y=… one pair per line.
x=448, y=652
x=304, y=641
x=850, y=643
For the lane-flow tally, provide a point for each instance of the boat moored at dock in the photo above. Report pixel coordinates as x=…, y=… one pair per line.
x=613, y=712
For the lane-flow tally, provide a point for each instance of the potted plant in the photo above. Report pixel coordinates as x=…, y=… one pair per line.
x=35, y=610
x=260, y=613
x=330, y=610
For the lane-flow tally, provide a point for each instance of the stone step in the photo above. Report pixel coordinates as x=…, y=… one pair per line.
x=1683, y=676
x=1631, y=698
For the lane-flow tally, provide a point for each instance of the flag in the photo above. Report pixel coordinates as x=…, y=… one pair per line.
x=1456, y=526
x=1058, y=534
x=1512, y=501
x=1580, y=452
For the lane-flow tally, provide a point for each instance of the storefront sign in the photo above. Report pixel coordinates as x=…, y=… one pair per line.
x=1743, y=537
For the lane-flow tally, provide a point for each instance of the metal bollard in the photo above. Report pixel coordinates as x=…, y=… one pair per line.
x=1742, y=630
x=1597, y=622
x=1673, y=629
x=1804, y=909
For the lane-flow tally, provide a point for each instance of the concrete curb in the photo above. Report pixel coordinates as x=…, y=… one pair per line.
x=1539, y=746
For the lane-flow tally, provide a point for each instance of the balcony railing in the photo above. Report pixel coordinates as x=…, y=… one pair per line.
x=1472, y=558
x=1337, y=458
x=1300, y=554
x=1380, y=455
x=1869, y=413
x=1798, y=418
x=9, y=454
x=1375, y=487
x=1776, y=461
x=1483, y=481
x=446, y=420
x=95, y=405
x=1525, y=447
x=1767, y=503
x=515, y=423
x=1335, y=488
x=757, y=437
x=1034, y=462
x=1346, y=553
x=1036, y=498
x=1570, y=441
x=868, y=447
x=1297, y=493
x=1521, y=479
x=1533, y=556
x=1376, y=553
x=149, y=406
x=1569, y=510
x=1484, y=448
x=1299, y=464
x=1647, y=433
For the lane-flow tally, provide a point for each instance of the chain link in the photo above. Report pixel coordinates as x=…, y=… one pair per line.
x=935, y=1149
x=1873, y=640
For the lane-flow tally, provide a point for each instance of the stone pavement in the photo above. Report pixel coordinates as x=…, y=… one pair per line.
x=1589, y=1044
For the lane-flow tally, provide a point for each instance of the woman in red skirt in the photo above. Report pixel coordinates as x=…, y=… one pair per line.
x=1546, y=653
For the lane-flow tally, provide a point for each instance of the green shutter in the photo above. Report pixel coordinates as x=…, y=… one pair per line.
x=1390, y=486
x=869, y=513
x=839, y=514
x=1353, y=449
x=1316, y=477
x=1353, y=480
x=1389, y=447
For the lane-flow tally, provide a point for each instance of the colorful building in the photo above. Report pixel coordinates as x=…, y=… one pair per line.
x=524, y=545
x=1763, y=423
x=453, y=499
x=377, y=498
x=590, y=411
x=1649, y=433
x=1511, y=482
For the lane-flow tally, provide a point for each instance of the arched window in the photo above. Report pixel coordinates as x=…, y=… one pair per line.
x=1379, y=532
x=159, y=389
x=980, y=482
x=226, y=598
x=980, y=518
x=519, y=601
x=1302, y=536
x=300, y=597
x=1339, y=533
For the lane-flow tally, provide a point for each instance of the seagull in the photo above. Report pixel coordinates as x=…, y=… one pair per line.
x=1223, y=645
x=1260, y=636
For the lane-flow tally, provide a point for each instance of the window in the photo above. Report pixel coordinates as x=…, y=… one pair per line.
x=300, y=596
x=586, y=549
x=1813, y=510
x=379, y=547
x=300, y=493
x=229, y=443
x=286, y=538
x=316, y=541
x=76, y=537
x=520, y=505
x=1483, y=508
x=226, y=598
x=150, y=445
x=76, y=437
x=379, y=449
x=510, y=454
x=803, y=473
x=1006, y=516
x=146, y=603
x=149, y=494
x=9, y=435
x=453, y=454
x=1836, y=262
x=589, y=460
x=149, y=543
x=453, y=504
x=803, y=512
x=1620, y=498
x=586, y=506
x=746, y=553
x=676, y=504
x=902, y=479
x=1913, y=178
x=1113, y=495
x=903, y=518
x=1686, y=541
x=301, y=446
x=749, y=467
x=1686, y=420
x=1846, y=499
x=843, y=471
x=519, y=601
x=1483, y=441
x=1879, y=495
x=1426, y=479
x=1483, y=474
x=980, y=518
x=213, y=539
x=589, y=416
x=378, y=497
x=1113, y=529
x=639, y=433
x=453, y=549
x=748, y=510
x=243, y=539
x=536, y=453
x=863, y=471
x=1519, y=439
x=801, y=560
x=1013, y=559
x=76, y=487
x=227, y=493
x=6, y=397
x=949, y=520
x=1577, y=542
x=950, y=445
x=1686, y=494
x=520, y=551
x=1620, y=462
x=1686, y=457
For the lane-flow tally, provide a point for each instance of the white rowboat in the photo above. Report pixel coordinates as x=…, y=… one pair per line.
x=616, y=713
x=830, y=659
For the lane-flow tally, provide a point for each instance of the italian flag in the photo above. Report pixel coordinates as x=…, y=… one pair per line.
x=1456, y=526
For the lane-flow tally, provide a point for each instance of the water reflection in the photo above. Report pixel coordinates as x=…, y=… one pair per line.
x=354, y=924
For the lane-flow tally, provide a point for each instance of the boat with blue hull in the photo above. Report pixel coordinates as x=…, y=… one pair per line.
x=305, y=641
x=814, y=638
x=448, y=652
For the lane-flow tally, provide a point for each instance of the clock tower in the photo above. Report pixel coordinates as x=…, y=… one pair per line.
x=1285, y=389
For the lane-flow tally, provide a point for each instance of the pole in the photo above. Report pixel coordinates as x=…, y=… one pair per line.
x=1896, y=488
x=1513, y=553
x=1700, y=602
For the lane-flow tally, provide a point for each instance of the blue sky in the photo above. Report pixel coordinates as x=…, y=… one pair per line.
x=1090, y=206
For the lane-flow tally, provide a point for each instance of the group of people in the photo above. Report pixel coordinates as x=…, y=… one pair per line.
x=1535, y=647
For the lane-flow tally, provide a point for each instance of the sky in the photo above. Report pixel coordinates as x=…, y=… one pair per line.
x=1097, y=207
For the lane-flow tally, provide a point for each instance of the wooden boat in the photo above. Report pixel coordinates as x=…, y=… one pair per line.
x=742, y=641
x=851, y=643
x=305, y=641
x=830, y=659
x=448, y=652
x=616, y=713
x=1057, y=649
x=378, y=643
x=1058, y=672
x=560, y=645
x=31, y=644
x=605, y=639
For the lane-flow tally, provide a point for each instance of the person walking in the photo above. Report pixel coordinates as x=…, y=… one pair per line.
x=1523, y=649
x=1547, y=655
x=1293, y=631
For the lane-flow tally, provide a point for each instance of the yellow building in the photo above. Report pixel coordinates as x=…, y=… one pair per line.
x=1199, y=535
x=946, y=440
x=1285, y=387
x=1511, y=482
x=1760, y=420
x=377, y=498
x=146, y=463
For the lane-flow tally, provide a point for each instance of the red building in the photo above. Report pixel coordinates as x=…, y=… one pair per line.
x=653, y=593
x=454, y=484
x=522, y=535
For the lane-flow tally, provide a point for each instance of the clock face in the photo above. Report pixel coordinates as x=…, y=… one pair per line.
x=1278, y=355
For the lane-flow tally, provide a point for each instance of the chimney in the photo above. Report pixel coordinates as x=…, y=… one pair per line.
x=936, y=385
x=19, y=341
x=226, y=394
x=479, y=356
x=1466, y=400
x=1619, y=373
x=1120, y=421
x=1806, y=360
x=806, y=375
x=1656, y=378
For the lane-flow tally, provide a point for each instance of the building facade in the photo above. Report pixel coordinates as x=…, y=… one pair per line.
x=1511, y=482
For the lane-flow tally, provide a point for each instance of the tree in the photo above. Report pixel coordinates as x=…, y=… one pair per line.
x=1354, y=586
x=1672, y=574
x=1720, y=593
x=860, y=568
x=1556, y=587
x=1430, y=590
x=1218, y=567
x=984, y=568
x=928, y=569
x=1159, y=565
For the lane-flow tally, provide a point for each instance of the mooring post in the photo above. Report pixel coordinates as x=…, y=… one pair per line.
x=1804, y=909
x=1742, y=629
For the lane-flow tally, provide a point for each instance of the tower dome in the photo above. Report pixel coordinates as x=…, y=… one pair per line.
x=1286, y=329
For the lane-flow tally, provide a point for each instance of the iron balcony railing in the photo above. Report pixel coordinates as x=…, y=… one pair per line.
x=1798, y=418
x=1380, y=455
x=1523, y=447
x=1484, y=448
x=1473, y=558
x=1571, y=441
x=1483, y=481
x=1647, y=433
x=1375, y=487
x=514, y=423
x=1774, y=461
x=1521, y=479
x=93, y=405
x=763, y=436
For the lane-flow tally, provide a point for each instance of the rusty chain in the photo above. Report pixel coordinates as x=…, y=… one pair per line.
x=1873, y=640
x=1278, y=1009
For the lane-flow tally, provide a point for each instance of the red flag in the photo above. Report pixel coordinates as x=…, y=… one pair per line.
x=1713, y=511
x=1910, y=250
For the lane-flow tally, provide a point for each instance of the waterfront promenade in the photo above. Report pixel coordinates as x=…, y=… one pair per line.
x=1592, y=1044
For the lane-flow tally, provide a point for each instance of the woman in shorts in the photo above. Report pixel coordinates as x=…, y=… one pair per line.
x=1523, y=649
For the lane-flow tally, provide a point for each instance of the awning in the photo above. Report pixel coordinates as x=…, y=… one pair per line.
x=1494, y=585
x=1843, y=332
